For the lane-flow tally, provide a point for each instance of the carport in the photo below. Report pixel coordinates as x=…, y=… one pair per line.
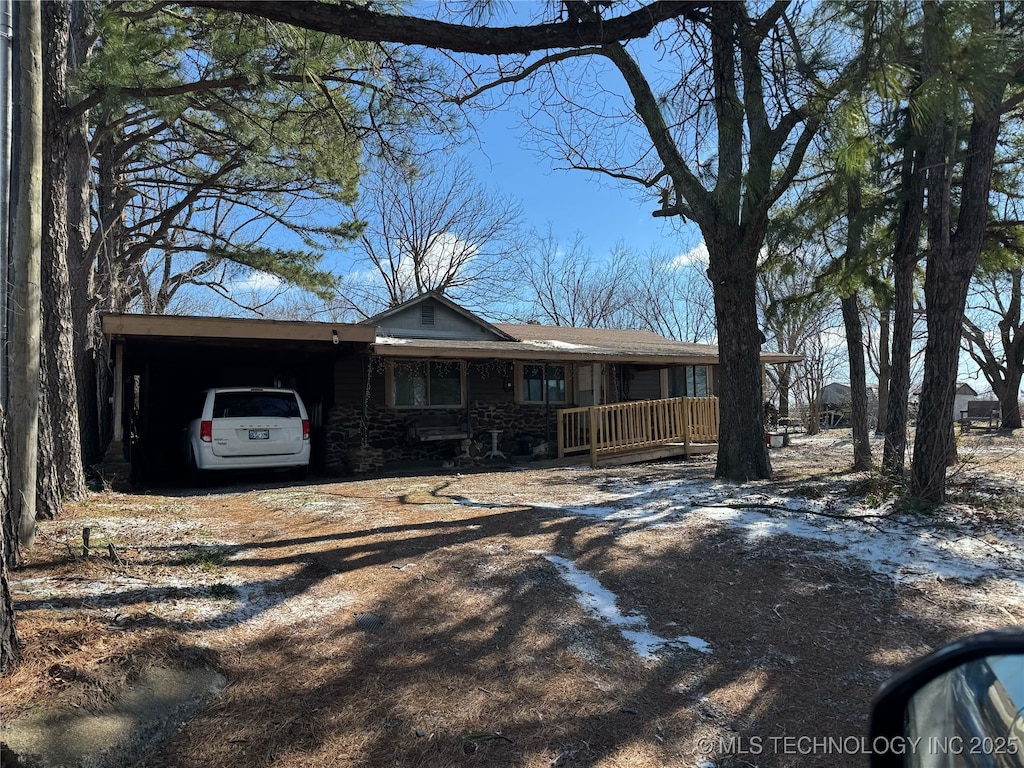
x=162, y=363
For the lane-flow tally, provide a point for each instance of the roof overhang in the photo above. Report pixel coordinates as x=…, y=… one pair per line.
x=777, y=358
x=526, y=350
x=182, y=327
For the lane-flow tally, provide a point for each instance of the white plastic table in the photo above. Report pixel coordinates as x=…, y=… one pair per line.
x=494, y=453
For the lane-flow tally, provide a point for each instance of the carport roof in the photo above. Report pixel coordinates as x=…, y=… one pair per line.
x=186, y=327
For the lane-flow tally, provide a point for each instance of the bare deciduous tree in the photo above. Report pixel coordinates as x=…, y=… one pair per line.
x=673, y=297
x=569, y=286
x=434, y=228
x=993, y=335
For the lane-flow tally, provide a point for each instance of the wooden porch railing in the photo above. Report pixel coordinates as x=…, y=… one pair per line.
x=620, y=427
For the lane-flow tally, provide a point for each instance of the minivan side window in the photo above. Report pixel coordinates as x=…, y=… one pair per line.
x=249, y=404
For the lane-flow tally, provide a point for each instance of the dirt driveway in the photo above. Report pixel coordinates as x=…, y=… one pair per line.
x=636, y=616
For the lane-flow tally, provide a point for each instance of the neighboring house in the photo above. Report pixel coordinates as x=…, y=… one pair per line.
x=835, y=404
x=427, y=380
x=964, y=393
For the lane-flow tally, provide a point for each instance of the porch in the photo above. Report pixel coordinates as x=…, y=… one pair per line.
x=640, y=430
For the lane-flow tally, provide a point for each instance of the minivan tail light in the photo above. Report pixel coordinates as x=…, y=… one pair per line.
x=305, y=429
x=206, y=431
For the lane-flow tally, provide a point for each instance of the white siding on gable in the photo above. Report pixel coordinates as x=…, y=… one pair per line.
x=964, y=394
x=431, y=319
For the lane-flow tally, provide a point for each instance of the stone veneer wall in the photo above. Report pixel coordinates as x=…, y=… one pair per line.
x=524, y=427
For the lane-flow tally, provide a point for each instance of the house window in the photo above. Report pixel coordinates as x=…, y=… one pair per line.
x=688, y=381
x=426, y=383
x=543, y=384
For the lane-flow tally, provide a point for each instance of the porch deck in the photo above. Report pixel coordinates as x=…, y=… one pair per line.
x=621, y=433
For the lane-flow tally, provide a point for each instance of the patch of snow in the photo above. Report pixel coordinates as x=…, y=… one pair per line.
x=602, y=603
x=900, y=548
x=555, y=344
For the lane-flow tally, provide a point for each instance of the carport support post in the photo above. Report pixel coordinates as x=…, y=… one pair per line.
x=118, y=397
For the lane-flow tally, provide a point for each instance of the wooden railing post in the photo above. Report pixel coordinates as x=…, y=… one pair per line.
x=560, y=417
x=593, y=437
x=686, y=426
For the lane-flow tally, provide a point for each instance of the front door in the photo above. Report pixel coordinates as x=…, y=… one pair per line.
x=588, y=385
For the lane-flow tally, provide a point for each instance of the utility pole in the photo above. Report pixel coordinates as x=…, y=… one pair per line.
x=26, y=248
x=6, y=116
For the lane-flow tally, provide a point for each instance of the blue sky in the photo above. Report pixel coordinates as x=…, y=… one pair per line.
x=570, y=200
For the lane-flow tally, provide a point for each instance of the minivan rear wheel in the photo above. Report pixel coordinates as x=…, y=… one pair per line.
x=196, y=476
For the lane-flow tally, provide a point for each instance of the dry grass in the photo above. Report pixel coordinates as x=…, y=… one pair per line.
x=485, y=656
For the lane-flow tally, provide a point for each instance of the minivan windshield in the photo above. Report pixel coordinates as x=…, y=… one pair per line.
x=248, y=404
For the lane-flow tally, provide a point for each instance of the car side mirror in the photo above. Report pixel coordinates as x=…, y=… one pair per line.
x=960, y=706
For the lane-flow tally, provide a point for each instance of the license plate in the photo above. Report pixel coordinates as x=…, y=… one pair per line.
x=259, y=434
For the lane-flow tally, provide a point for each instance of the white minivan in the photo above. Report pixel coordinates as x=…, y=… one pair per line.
x=248, y=428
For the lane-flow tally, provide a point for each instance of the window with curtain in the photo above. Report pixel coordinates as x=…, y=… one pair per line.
x=426, y=383
x=544, y=384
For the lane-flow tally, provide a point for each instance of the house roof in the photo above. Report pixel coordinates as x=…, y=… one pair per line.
x=558, y=343
x=611, y=337
x=475, y=319
x=506, y=341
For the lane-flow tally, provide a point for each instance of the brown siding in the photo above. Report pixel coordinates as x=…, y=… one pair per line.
x=350, y=379
x=486, y=380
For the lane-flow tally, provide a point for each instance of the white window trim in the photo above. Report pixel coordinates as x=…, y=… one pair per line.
x=520, y=393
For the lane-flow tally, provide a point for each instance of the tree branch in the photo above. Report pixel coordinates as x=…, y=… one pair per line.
x=524, y=73
x=356, y=22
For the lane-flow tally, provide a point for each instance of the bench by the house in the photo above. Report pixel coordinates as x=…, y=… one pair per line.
x=987, y=411
x=426, y=426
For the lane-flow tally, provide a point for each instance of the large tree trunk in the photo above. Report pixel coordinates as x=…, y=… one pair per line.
x=62, y=474
x=952, y=257
x=81, y=261
x=1009, y=397
x=904, y=259
x=884, y=368
x=934, y=444
x=102, y=274
x=785, y=375
x=1011, y=333
x=858, y=383
x=25, y=294
x=855, y=333
x=742, y=452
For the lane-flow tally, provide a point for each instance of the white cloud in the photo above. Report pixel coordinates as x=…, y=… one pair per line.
x=697, y=255
x=446, y=250
x=257, y=281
